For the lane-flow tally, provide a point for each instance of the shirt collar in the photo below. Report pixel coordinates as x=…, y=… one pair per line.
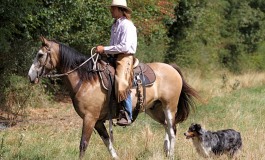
x=120, y=19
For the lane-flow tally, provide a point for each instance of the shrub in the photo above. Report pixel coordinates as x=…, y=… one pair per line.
x=19, y=94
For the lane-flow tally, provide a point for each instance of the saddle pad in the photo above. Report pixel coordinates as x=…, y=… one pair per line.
x=147, y=80
x=149, y=75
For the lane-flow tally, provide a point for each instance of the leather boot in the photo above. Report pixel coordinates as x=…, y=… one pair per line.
x=124, y=119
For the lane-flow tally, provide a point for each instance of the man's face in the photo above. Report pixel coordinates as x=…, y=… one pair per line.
x=115, y=12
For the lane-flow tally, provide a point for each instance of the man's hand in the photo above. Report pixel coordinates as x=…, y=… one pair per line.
x=100, y=49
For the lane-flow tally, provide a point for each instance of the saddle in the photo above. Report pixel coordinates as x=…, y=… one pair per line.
x=143, y=76
x=141, y=71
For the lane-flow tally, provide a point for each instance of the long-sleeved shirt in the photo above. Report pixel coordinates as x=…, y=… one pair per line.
x=123, y=37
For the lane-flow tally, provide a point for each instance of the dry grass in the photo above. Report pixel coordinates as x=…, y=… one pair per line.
x=222, y=82
x=54, y=133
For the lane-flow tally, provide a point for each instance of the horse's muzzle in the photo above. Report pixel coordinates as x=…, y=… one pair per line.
x=35, y=81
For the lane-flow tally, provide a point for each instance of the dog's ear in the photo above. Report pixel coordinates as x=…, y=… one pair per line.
x=192, y=127
x=198, y=128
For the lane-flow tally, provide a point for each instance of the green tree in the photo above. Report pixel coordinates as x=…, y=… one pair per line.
x=243, y=34
x=192, y=34
x=213, y=34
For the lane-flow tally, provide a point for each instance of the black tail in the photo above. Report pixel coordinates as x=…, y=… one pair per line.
x=186, y=99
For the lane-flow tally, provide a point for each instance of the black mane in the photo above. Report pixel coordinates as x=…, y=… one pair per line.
x=71, y=58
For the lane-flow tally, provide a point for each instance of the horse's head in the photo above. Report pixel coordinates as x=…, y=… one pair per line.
x=46, y=60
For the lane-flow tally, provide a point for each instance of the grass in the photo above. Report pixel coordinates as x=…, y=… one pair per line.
x=54, y=133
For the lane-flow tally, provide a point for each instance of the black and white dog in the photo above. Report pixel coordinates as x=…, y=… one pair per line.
x=212, y=144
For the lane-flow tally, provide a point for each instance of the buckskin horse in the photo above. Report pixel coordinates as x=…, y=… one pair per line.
x=168, y=101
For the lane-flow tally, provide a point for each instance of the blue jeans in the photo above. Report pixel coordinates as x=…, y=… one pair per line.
x=128, y=105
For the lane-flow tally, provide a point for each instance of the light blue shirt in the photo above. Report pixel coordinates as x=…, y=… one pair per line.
x=123, y=37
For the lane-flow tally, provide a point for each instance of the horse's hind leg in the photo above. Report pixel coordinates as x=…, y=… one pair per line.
x=169, y=143
x=101, y=129
x=165, y=117
x=88, y=126
x=166, y=143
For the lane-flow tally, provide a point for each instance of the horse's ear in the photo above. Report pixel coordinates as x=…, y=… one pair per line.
x=43, y=40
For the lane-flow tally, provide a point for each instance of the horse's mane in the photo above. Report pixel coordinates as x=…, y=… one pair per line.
x=71, y=58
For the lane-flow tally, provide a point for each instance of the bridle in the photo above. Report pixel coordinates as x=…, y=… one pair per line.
x=93, y=55
x=48, y=55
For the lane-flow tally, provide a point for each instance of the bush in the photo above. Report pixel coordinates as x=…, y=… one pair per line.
x=19, y=94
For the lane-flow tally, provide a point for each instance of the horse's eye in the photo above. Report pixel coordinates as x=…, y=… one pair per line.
x=40, y=56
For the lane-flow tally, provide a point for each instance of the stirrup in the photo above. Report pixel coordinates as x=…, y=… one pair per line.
x=124, y=122
x=124, y=119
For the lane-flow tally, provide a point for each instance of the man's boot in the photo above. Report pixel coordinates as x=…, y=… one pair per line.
x=126, y=118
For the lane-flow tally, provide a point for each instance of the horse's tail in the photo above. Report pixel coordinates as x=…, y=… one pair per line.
x=186, y=99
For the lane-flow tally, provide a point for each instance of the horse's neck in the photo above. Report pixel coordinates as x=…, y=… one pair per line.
x=72, y=82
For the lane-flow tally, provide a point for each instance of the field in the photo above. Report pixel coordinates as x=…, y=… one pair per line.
x=230, y=102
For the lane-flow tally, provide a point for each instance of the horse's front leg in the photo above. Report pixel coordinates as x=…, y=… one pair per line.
x=101, y=129
x=88, y=126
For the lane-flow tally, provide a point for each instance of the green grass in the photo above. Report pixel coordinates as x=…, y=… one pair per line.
x=58, y=138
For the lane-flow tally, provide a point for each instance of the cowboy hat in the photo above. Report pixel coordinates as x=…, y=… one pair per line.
x=122, y=4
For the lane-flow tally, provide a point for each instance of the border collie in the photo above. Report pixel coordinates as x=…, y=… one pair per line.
x=213, y=144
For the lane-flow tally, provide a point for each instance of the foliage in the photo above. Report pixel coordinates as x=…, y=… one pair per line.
x=187, y=33
x=78, y=23
x=150, y=18
x=210, y=34
x=81, y=24
x=244, y=27
x=19, y=95
x=14, y=18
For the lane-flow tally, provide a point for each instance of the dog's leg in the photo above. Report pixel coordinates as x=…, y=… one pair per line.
x=234, y=152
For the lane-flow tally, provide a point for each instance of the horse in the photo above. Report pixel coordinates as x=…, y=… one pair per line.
x=168, y=101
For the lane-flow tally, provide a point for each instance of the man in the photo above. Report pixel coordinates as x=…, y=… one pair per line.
x=123, y=44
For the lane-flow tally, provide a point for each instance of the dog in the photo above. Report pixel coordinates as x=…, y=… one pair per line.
x=214, y=144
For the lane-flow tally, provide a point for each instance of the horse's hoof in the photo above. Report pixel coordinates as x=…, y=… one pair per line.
x=116, y=158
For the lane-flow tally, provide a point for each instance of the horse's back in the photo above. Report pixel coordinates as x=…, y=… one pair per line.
x=165, y=73
x=168, y=82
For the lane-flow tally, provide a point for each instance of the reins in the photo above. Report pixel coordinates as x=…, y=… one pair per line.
x=71, y=71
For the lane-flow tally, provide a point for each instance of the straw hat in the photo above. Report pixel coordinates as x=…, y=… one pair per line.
x=122, y=4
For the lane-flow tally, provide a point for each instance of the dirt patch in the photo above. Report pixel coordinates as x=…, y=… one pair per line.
x=62, y=115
